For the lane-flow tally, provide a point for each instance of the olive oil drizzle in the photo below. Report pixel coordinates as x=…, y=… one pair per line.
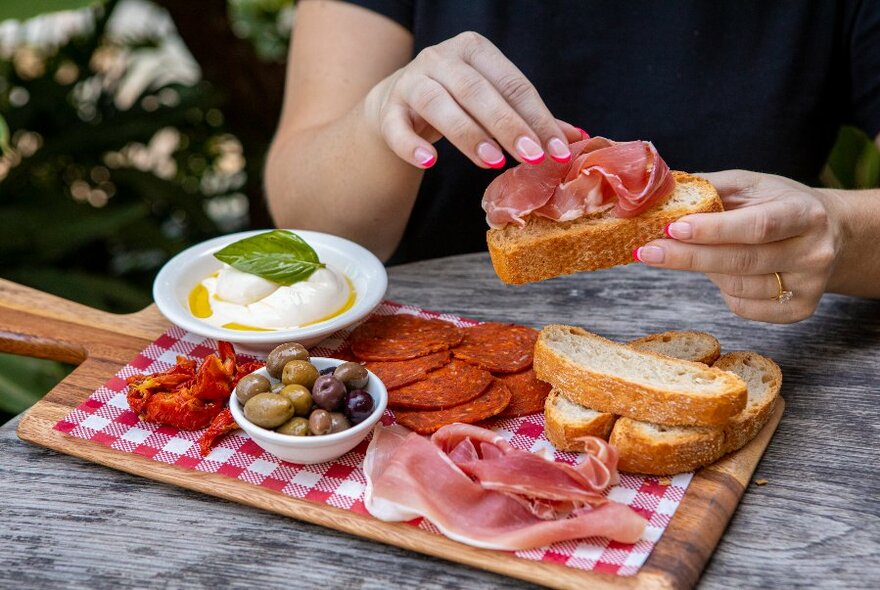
x=200, y=307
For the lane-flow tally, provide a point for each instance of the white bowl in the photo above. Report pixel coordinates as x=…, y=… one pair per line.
x=182, y=273
x=313, y=449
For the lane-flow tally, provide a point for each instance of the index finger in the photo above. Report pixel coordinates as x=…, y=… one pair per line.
x=513, y=85
x=764, y=222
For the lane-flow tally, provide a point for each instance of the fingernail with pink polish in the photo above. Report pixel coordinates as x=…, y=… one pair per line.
x=490, y=154
x=679, y=230
x=649, y=254
x=424, y=157
x=584, y=134
x=558, y=150
x=530, y=151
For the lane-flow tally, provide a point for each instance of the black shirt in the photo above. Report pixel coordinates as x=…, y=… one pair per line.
x=715, y=85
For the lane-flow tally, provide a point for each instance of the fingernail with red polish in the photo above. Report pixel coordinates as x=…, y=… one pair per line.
x=583, y=133
x=491, y=155
x=650, y=254
x=530, y=151
x=679, y=230
x=636, y=255
x=558, y=150
x=424, y=157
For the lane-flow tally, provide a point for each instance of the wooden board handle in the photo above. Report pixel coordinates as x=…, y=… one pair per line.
x=37, y=324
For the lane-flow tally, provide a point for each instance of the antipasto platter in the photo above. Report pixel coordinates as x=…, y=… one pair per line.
x=675, y=558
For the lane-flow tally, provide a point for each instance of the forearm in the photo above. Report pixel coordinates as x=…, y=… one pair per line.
x=857, y=271
x=341, y=178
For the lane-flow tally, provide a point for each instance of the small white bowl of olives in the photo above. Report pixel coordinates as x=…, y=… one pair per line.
x=308, y=409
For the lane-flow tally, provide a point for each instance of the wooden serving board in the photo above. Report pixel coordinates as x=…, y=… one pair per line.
x=40, y=325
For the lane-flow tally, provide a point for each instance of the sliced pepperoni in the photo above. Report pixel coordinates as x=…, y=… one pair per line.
x=448, y=386
x=490, y=403
x=401, y=337
x=500, y=348
x=399, y=373
x=528, y=393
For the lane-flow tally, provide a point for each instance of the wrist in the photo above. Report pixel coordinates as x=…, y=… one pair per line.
x=838, y=225
x=854, y=216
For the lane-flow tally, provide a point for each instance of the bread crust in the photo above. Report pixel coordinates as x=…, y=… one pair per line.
x=746, y=425
x=657, y=342
x=642, y=451
x=607, y=393
x=563, y=432
x=545, y=248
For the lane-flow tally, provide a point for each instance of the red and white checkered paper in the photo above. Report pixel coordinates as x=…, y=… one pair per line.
x=106, y=418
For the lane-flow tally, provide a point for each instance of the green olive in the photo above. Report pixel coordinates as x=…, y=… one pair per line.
x=249, y=386
x=295, y=427
x=299, y=372
x=319, y=422
x=268, y=410
x=283, y=354
x=338, y=422
x=353, y=375
x=300, y=397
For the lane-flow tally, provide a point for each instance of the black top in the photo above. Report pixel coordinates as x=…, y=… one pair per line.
x=715, y=85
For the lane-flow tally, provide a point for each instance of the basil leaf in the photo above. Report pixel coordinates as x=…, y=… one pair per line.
x=279, y=256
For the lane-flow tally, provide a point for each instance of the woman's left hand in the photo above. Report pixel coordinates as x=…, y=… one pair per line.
x=770, y=225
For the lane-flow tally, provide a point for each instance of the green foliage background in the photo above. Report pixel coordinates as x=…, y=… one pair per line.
x=84, y=212
x=84, y=216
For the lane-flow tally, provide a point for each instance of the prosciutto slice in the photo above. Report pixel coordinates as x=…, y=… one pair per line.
x=479, y=490
x=629, y=176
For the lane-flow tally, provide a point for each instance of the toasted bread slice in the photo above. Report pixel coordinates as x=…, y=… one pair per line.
x=544, y=248
x=698, y=347
x=566, y=421
x=764, y=379
x=611, y=377
x=665, y=450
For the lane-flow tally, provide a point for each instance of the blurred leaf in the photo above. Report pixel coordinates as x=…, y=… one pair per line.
x=4, y=136
x=25, y=9
x=23, y=381
x=27, y=229
x=98, y=291
x=867, y=170
x=854, y=161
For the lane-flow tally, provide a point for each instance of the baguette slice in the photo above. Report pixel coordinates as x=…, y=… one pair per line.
x=566, y=421
x=764, y=379
x=666, y=450
x=544, y=248
x=655, y=449
x=698, y=347
x=614, y=378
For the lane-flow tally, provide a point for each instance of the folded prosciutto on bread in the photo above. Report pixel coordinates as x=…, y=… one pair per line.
x=479, y=490
x=629, y=176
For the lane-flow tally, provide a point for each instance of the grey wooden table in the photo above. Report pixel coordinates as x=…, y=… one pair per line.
x=816, y=523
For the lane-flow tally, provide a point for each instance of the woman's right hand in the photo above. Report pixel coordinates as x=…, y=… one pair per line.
x=466, y=90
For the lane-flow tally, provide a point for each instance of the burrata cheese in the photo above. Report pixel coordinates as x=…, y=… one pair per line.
x=248, y=301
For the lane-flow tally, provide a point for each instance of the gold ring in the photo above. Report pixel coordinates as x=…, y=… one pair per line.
x=782, y=295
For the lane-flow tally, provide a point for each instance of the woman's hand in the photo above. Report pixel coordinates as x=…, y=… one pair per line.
x=770, y=225
x=466, y=90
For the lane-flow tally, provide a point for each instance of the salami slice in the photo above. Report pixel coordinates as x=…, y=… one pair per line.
x=500, y=348
x=528, y=393
x=448, y=386
x=399, y=373
x=490, y=403
x=401, y=337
